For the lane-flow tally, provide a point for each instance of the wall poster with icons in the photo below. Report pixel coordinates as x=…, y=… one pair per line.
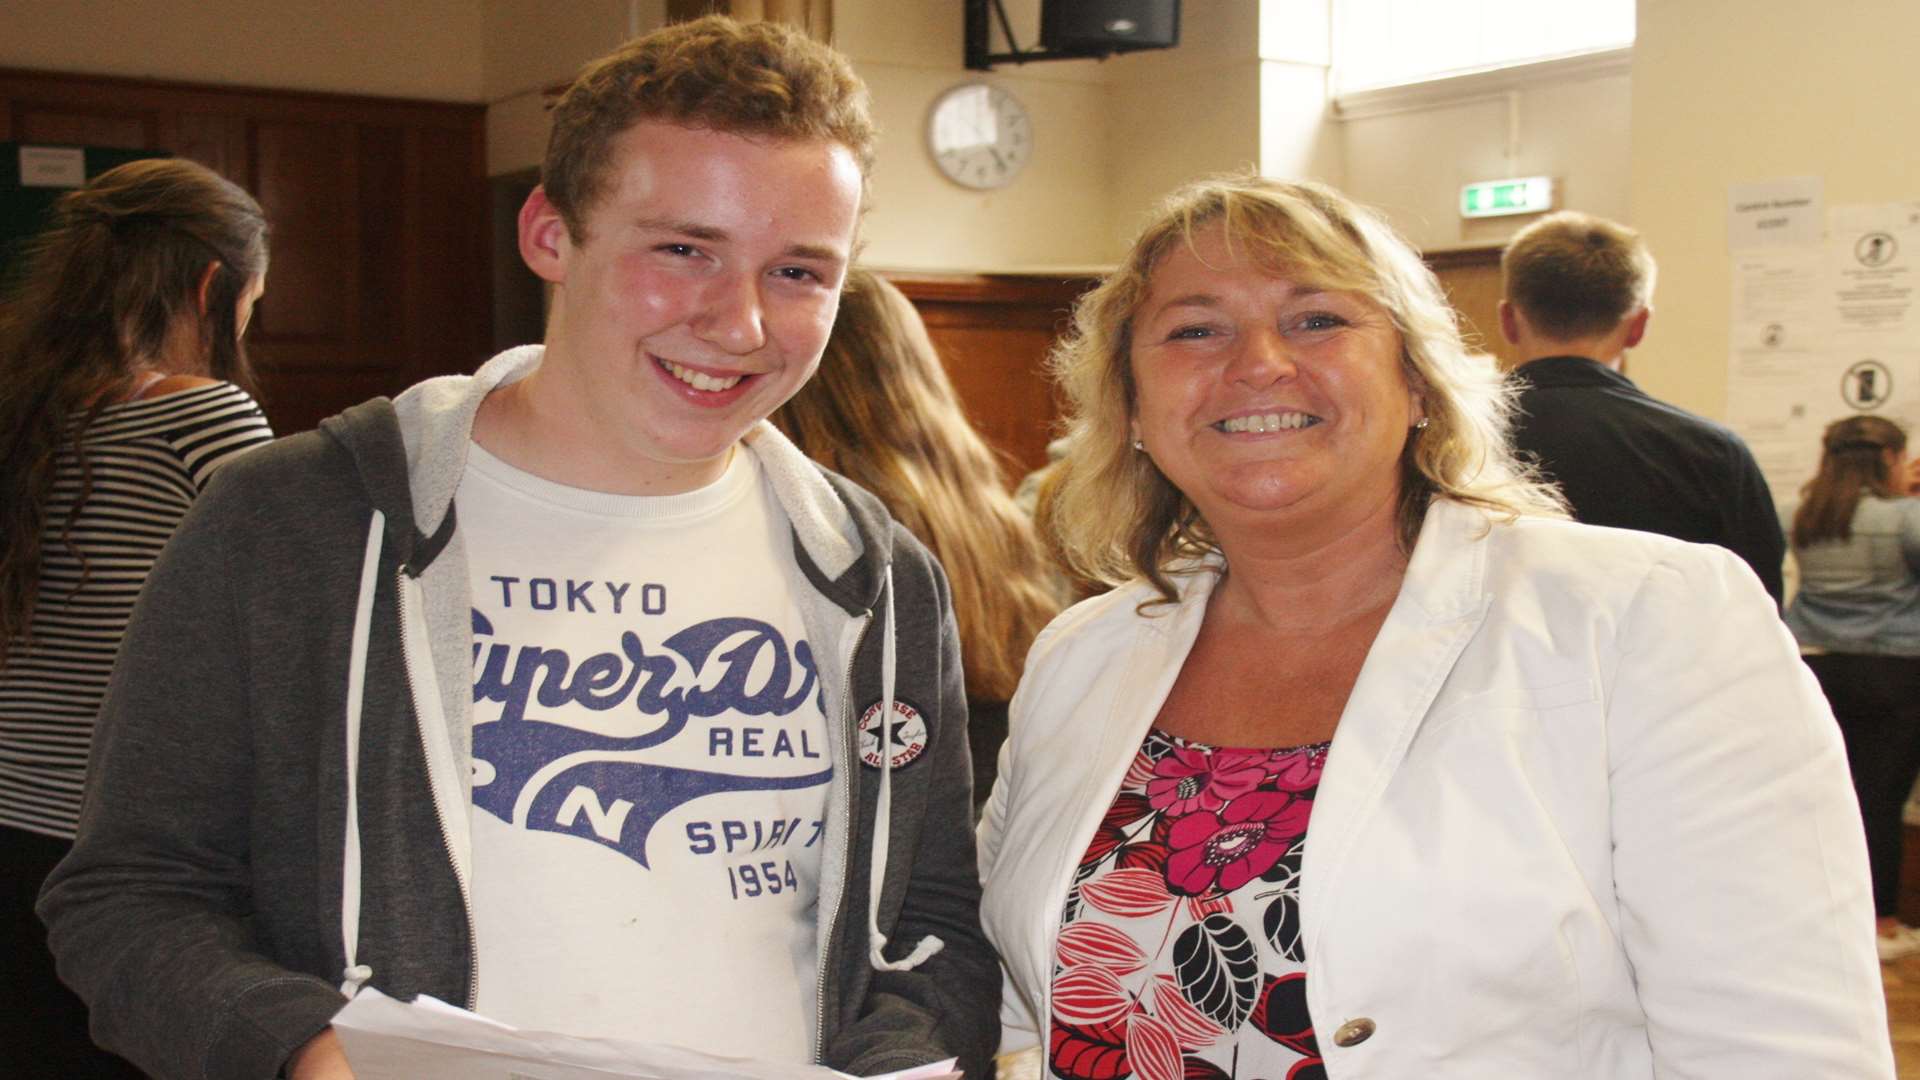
x=1821, y=330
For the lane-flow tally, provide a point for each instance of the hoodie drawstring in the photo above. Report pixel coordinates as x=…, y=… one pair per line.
x=356, y=974
x=883, y=816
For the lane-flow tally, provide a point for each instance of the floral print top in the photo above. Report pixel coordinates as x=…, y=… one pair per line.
x=1180, y=955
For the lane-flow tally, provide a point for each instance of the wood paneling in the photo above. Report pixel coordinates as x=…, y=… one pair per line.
x=380, y=274
x=993, y=333
x=47, y=123
x=1471, y=277
x=313, y=236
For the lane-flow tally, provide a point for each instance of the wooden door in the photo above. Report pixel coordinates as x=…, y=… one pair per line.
x=1471, y=277
x=993, y=333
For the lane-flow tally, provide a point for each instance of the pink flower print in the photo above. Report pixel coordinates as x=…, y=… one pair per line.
x=1189, y=780
x=1230, y=848
x=1296, y=770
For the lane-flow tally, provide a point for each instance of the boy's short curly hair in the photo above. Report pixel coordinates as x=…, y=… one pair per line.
x=756, y=79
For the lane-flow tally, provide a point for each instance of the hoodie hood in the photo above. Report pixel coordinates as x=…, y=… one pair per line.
x=834, y=522
x=424, y=434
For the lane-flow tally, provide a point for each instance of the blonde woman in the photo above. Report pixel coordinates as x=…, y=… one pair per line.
x=1373, y=764
x=882, y=412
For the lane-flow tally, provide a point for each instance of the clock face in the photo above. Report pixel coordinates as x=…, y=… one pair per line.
x=979, y=135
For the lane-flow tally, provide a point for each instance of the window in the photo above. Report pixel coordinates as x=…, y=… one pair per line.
x=1393, y=42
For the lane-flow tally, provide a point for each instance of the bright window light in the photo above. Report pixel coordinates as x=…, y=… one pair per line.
x=1392, y=42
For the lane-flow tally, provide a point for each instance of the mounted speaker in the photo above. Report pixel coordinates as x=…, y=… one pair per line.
x=1101, y=27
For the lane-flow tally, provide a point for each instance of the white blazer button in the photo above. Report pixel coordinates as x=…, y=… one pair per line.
x=1354, y=1032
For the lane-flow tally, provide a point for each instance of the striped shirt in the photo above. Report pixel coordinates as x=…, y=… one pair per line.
x=149, y=459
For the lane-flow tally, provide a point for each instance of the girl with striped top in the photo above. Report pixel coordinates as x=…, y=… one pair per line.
x=123, y=386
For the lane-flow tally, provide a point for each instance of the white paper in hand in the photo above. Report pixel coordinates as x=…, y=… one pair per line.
x=430, y=1040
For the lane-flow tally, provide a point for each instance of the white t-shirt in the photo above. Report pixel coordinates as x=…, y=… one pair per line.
x=651, y=763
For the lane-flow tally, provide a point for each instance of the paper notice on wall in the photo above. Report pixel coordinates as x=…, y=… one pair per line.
x=1777, y=314
x=53, y=166
x=1872, y=256
x=1778, y=334
x=1774, y=213
x=1822, y=333
x=1865, y=217
x=1782, y=431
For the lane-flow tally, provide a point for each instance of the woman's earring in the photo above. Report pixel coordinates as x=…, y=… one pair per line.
x=1422, y=425
x=1139, y=444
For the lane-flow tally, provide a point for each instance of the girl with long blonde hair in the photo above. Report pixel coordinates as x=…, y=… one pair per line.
x=882, y=412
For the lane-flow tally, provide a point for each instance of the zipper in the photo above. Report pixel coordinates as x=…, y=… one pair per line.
x=850, y=768
x=439, y=816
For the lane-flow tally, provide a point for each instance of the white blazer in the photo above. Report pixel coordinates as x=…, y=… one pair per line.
x=1586, y=814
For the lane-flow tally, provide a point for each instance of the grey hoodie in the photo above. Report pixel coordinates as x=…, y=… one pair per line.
x=221, y=894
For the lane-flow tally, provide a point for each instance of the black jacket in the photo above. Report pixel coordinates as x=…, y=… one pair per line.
x=1630, y=461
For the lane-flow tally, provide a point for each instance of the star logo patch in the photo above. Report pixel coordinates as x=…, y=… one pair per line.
x=904, y=735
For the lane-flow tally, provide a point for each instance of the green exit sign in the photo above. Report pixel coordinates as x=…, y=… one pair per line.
x=1497, y=198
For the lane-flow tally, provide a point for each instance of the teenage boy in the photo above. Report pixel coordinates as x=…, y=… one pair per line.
x=570, y=691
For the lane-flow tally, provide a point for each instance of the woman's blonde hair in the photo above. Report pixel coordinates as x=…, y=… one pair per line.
x=882, y=412
x=1119, y=518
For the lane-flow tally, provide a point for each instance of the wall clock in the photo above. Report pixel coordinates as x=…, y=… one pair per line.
x=980, y=136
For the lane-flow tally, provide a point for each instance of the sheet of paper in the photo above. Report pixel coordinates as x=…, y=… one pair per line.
x=1865, y=217
x=1781, y=430
x=1779, y=335
x=1872, y=254
x=1823, y=332
x=1774, y=213
x=430, y=1040
x=53, y=166
x=1777, y=317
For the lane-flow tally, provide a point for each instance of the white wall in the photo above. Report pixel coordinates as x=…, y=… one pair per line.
x=1410, y=158
x=1183, y=113
x=1053, y=215
x=529, y=45
x=533, y=44
x=1297, y=137
x=1732, y=91
x=418, y=49
x=1111, y=136
x=1721, y=92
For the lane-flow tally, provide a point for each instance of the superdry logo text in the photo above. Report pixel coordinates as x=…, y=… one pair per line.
x=726, y=684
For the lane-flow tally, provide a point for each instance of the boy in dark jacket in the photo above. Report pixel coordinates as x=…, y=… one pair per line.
x=569, y=691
